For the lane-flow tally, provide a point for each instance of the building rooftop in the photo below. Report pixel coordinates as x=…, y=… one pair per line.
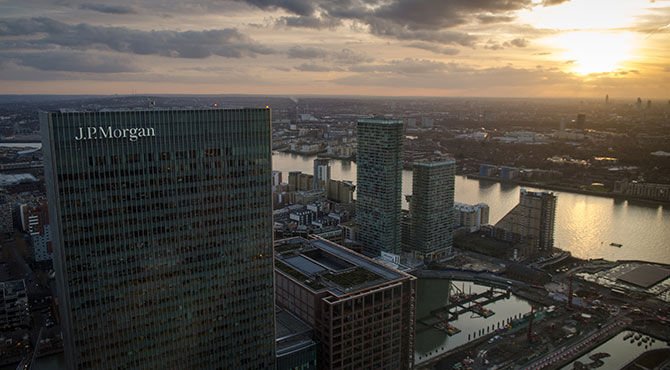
x=291, y=333
x=645, y=276
x=434, y=162
x=325, y=266
x=13, y=179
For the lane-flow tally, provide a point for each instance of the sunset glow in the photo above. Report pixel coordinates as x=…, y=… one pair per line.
x=396, y=47
x=596, y=52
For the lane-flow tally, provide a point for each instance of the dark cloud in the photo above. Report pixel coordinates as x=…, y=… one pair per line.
x=489, y=18
x=109, y=9
x=72, y=61
x=385, y=28
x=299, y=7
x=416, y=20
x=306, y=53
x=309, y=22
x=434, y=48
x=312, y=67
x=46, y=32
x=438, y=14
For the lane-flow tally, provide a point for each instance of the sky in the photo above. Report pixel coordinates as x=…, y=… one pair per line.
x=488, y=48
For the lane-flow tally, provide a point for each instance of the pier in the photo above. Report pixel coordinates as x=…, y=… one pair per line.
x=459, y=304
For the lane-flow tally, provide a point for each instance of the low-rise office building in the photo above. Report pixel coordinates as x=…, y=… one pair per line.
x=363, y=312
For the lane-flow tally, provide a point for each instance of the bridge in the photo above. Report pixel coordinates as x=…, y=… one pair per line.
x=486, y=277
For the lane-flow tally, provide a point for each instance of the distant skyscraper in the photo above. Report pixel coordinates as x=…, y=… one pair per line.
x=607, y=99
x=431, y=209
x=379, y=177
x=581, y=121
x=648, y=104
x=162, y=231
x=531, y=221
x=321, y=173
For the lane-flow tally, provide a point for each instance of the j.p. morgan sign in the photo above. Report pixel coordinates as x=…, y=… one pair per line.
x=109, y=132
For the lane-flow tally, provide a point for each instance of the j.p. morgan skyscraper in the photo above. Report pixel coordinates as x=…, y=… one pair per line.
x=163, y=237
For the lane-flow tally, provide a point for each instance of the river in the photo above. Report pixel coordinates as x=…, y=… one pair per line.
x=585, y=224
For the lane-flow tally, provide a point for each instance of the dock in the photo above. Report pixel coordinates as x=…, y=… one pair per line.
x=459, y=304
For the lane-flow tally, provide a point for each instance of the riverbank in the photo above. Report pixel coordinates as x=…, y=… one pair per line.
x=569, y=189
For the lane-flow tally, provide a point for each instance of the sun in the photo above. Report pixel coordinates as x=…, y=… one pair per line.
x=587, y=52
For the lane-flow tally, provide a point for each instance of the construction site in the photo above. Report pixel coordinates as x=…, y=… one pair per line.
x=573, y=322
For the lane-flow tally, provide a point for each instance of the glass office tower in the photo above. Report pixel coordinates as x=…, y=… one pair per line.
x=379, y=181
x=163, y=237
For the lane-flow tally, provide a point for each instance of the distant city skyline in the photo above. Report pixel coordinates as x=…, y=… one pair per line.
x=516, y=48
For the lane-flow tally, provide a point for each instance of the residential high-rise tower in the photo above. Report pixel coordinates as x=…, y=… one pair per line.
x=531, y=222
x=379, y=181
x=431, y=208
x=162, y=231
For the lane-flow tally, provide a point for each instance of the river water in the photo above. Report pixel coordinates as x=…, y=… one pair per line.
x=585, y=224
x=620, y=351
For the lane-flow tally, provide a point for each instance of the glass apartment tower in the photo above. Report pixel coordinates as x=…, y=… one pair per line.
x=431, y=208
x=379, y=181
x=162, y=227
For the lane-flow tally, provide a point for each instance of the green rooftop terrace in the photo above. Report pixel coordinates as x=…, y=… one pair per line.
x=353, y=277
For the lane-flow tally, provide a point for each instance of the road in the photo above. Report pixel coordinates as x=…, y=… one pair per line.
x=572, y=350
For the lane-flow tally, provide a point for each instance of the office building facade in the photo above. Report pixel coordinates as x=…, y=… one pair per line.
x=162, y=232
x=363, y=313
x=431, y=209
x=379, y=181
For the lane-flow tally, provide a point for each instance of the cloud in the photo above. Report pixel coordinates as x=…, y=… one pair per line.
x=348, y=56
x=299, y=7
x=520, y=43
x=72, y=61
x=109, y=9
x=416, y=20
x=385, y=28
x=46, y=32
x=309, y=22
x=404, y=66
x=489, y=18
x=305, y=53
x=312, y=67
x=434, y=48
x=461, y=77
x=546, y=3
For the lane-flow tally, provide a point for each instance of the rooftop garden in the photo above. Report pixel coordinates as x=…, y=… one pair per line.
x=352, y=277
x=304, y=279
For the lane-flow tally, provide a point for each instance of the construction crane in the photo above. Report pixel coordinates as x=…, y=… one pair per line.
x=530, y=324
x=570, y=293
